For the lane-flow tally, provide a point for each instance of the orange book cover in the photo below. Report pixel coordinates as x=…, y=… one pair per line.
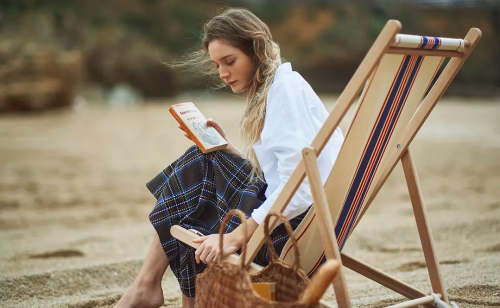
x=266, y=290
x=192, y=120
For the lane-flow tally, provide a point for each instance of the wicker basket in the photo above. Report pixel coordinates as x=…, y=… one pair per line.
x=226, y=285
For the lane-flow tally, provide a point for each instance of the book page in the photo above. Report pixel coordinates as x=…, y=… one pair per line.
x=194, y=121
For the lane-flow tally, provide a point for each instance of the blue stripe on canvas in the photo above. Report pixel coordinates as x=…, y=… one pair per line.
x=372, y=143
x=425, y=40
x=436, y=43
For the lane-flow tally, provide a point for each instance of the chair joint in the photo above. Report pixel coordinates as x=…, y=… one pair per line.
x=438, y=302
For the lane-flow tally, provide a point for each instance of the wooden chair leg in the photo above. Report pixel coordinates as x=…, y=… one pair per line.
x=382, y=278
x=326, y=227
x=423, y=226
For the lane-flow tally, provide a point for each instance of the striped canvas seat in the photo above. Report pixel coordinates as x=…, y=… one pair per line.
x=387, y=104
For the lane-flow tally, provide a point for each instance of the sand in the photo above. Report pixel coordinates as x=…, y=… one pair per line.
x=74, y=208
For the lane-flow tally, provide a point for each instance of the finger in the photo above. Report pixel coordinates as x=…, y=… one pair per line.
x=213, y=254
x=198, y=252
x=217, y=127
x=200, y=239
x=204, y=254
x=213, y=123
x=187, y=136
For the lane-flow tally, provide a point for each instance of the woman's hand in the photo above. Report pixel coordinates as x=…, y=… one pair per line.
x=216, y=125
x=230, y=148
x=211, y=122
x=185, y=132
x=209, y=248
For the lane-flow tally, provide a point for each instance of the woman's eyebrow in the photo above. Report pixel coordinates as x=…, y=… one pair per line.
x=224, y=57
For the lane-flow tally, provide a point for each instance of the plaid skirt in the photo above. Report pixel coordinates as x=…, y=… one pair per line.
x=196, y=191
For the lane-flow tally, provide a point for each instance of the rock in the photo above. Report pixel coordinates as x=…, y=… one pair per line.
x=39, y=82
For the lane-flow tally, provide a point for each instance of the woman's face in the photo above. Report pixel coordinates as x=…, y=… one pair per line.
x=235, y=67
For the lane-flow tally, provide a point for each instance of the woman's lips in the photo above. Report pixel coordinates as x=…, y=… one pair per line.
x=232, y=82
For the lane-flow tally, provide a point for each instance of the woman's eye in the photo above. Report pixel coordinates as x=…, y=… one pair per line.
x=231, y=63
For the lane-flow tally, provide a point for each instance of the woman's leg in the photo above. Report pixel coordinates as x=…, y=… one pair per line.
x=146, y=291
x=187, y=302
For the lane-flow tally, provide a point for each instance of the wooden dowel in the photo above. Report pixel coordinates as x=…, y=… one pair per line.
x=187, y=238
x=416, y=302
x=425, y=52
x=382, y=278
x=325, y=223
x=319, y=283
x=423, y=226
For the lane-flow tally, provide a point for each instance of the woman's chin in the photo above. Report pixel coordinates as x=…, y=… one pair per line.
x=237, y=90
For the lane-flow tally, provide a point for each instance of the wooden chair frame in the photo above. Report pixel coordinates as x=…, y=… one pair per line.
x=308, y=166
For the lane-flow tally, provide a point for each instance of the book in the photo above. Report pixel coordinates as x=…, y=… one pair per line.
x=266, y=290
x=193, y=122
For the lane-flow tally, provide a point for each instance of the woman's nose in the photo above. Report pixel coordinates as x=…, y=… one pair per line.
x=223, y=73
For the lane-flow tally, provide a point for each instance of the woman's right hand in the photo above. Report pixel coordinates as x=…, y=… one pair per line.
x=230, y=148
x=218, y=128
x=210, y=122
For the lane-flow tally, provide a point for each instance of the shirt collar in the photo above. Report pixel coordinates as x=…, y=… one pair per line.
x=283, y=69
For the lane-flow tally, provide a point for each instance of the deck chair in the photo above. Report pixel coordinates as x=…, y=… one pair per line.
x=397, y=95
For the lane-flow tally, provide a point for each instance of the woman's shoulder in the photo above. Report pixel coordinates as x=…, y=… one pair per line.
x=287, y=82
x=290, y=85
x=286, y=76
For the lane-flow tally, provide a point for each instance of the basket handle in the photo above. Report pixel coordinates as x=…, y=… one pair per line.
x=289, y=230
x=222, y=229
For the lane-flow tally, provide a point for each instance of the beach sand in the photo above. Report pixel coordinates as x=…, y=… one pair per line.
x=74, y=208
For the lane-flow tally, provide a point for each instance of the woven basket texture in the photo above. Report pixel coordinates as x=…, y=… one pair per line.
x=226, y=285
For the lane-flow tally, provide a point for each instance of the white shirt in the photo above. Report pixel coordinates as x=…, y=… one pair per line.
x=294, y=115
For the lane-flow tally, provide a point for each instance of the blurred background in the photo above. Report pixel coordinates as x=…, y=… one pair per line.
x=72, y=51
x=84, y=124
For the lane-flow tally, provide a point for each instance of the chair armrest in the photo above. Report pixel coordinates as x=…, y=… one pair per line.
x=187, y=237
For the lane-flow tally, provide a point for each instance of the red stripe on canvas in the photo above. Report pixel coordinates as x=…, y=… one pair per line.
x=345, y=226
x=392, y=131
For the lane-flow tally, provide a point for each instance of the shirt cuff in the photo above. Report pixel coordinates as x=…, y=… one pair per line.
x=260, y=213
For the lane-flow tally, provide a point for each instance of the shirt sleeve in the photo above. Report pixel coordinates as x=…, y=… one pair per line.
x=288, y=129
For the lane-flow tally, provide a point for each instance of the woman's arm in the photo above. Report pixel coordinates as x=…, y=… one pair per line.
x=238, y=235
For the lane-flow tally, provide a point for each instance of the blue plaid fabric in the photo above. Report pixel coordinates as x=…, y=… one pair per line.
x=196, y=191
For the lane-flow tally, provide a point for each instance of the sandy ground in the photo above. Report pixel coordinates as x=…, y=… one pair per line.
x=74, y=206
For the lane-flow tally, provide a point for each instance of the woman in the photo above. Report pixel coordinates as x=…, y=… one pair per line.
x=282, y=116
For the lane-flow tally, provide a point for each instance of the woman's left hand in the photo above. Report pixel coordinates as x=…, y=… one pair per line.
x=209, y=248
x=230, y=147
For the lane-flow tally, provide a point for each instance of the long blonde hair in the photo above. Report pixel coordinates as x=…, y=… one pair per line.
x=240, y=28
